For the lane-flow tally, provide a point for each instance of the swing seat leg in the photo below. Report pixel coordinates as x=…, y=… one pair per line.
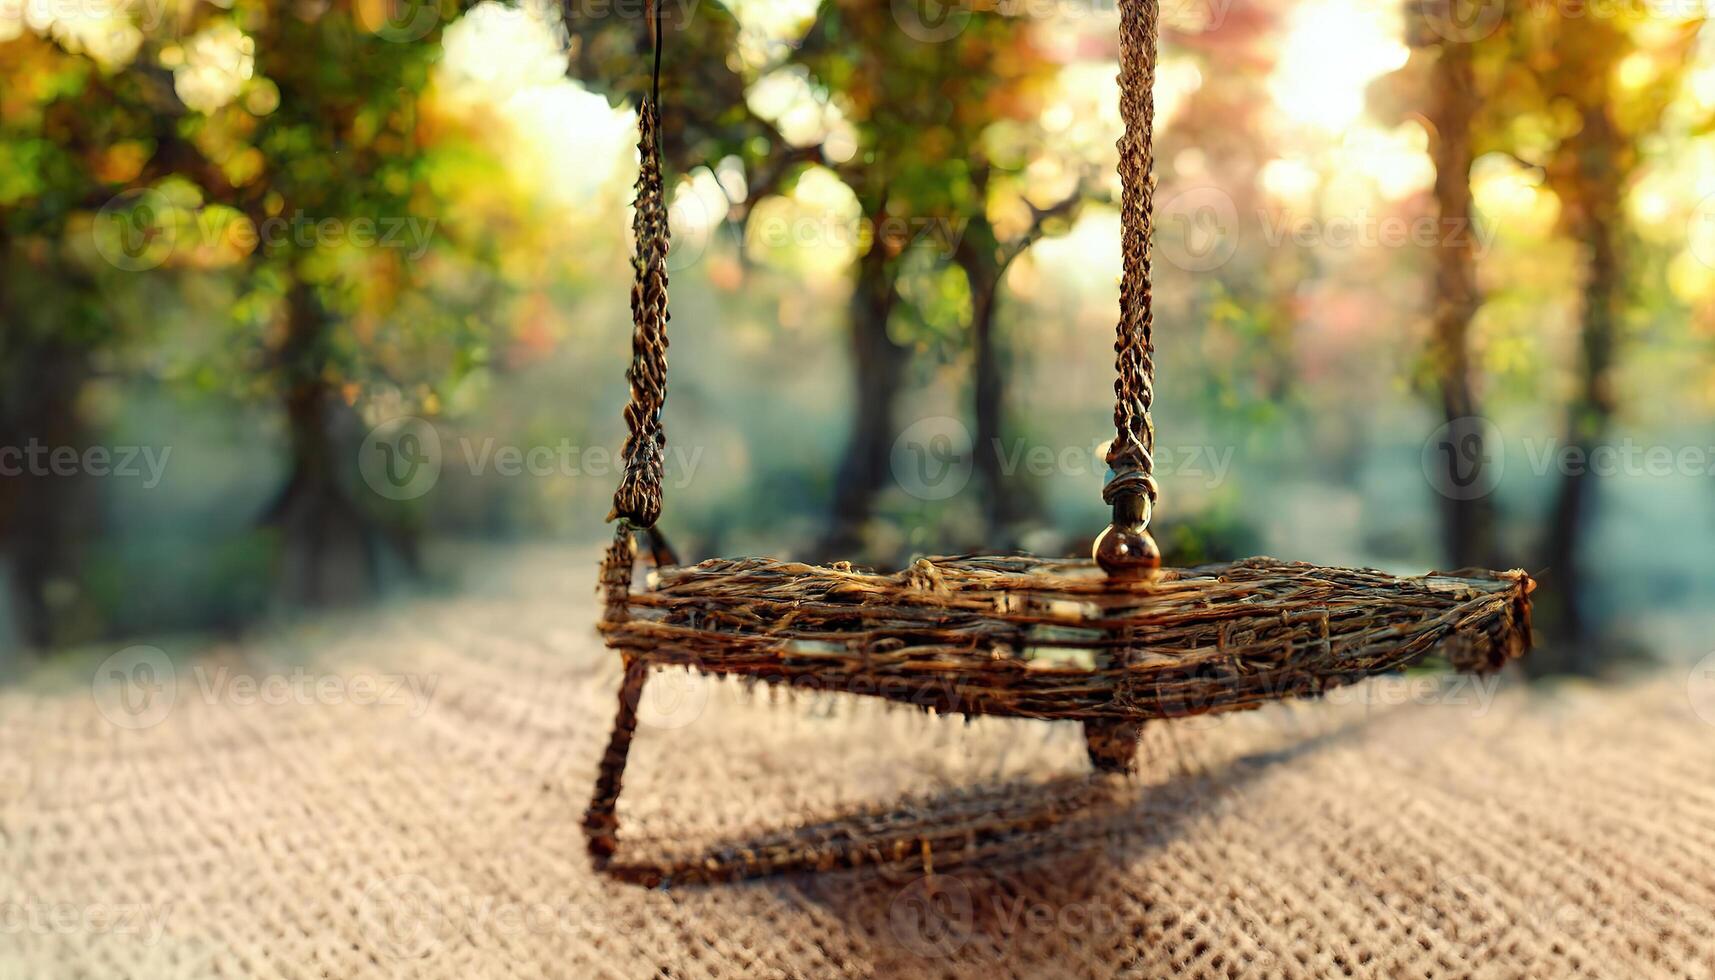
x=601, y=820
x=1112, y=744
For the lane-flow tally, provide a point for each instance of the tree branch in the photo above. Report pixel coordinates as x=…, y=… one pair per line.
x=1039, y=218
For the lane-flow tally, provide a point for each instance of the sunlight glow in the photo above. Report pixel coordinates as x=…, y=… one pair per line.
x=816, y=231
x=1702, y=86
x=768, y=27
x=1512, y=197
x=1081, y=117
x=786, y=98
x=1690, y=279
x=1290, y=181
x=216, y=63
x=1081, y=110
x=102, y=29
x=495, y=51
x=1085, y=259
x=1650, y=205
x=565, y=142
x=1396, y=160
x=571, y=141
x=1333, y=49
x=695, y=210
x=1635, y=71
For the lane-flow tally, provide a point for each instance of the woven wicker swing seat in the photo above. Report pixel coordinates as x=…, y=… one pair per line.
x=1111, y=642
x=1034, y=638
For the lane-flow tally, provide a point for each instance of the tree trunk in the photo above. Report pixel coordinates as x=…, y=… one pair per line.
x=330, y=550
x=1005, y=504
x=37, y=508
x=878, y=373
x=40, y=377
x=1592, y=407
x=1468, y=510
x=987, y=396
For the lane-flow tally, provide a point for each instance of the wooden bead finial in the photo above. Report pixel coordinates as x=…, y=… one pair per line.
x=1127, y=549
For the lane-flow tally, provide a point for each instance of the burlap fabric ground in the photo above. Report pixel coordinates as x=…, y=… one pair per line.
x=398, y=794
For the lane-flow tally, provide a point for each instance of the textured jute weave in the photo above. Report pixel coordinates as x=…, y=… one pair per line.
x=398, y=794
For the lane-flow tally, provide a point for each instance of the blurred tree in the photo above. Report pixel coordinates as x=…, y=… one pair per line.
x=287, y=145
x=1576, y=94
x=707, y=118
x=921, y=106
x=985, y=258
x=703, y=86
x=1231, y=297
x=1469, y=519
x=68, y=134
x=1440, y=83
x=1238, y=290
x=327, y=138
x=917, y=111
x=708, y=125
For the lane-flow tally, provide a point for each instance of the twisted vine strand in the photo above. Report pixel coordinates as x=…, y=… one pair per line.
x=638, y=498
x=1130, y=458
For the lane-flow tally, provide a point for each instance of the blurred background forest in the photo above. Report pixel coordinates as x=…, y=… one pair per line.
x=300, y=302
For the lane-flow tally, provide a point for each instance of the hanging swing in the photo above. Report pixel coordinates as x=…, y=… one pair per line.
x=1110, y=642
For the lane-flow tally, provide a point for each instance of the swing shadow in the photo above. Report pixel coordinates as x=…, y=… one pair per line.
x=1056, y=824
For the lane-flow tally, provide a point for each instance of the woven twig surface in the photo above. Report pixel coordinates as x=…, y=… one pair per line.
x=1033, y=638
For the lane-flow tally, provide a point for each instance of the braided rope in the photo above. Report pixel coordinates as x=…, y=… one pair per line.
x=638, y=499
x=1130, y=459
